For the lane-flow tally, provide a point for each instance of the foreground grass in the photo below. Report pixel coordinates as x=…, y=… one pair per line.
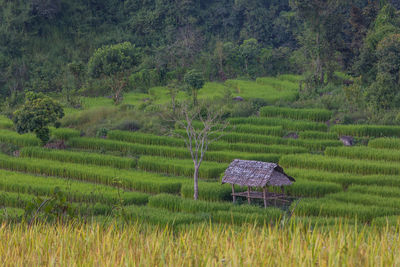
x=199, y=245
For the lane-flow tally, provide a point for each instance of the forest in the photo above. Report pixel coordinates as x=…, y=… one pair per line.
x=346, y=51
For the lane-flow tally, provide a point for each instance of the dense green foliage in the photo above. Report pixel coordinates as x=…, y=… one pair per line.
x=37, y=113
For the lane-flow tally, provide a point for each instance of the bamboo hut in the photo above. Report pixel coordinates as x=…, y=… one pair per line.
x=257, y=174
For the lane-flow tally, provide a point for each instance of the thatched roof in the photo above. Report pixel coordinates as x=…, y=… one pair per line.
x=256, y=174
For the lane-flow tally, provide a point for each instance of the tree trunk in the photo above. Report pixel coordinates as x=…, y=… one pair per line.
x=196, y=182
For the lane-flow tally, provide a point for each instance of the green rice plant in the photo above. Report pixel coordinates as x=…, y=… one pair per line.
x=339, y=164
x=287, y=124
x=245, y=128
x=270, y=92
x=258, y=148
x=270, y=215
x=344, y=179
x=18, y=139
x=366, y=199
x=393, y=221
x=6, y=123
x=161, y=216
x=209, y=191
x=8, y=214
x=333, y=208
x=280, y=83
x=221, y=212
x=320, y=115
x=64, y=133
x=255, y=129
x=75, y=191
x=134, y=180
x=315, y=145
x=318, y=135
x=163, y=151
x=367, y=153
x=19, y=200
x=179, y=167
x=148, y=139
x=78, y=157
x=367, y=130
x=382, y=191
x=388, y=143
x=304, y=188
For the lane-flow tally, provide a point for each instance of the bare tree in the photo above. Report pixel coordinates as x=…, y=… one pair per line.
x=202, y=125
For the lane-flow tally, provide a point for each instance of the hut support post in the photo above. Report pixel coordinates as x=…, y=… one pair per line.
x=233, y=193
x=265, y=197
x=283, y=189
x=248, y=195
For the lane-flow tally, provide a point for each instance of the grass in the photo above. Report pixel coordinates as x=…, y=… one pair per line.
x=202, y=244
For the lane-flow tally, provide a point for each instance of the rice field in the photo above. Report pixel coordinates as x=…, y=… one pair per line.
x=149, y=177
x=96, y=244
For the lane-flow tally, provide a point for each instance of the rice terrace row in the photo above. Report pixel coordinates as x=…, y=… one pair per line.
x=150, y=174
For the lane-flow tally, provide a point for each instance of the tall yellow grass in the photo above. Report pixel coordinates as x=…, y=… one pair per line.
x=200, y=245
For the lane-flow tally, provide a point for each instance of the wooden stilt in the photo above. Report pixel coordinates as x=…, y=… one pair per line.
x=283, y=189
x=248, y=195
x=233, y=192
x=265, y=197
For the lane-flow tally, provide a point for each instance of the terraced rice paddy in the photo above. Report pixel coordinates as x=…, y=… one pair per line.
x=151, y=175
